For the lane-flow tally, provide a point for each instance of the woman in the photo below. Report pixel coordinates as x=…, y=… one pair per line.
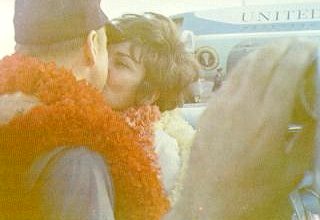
x=149, y=66
x=158, y=61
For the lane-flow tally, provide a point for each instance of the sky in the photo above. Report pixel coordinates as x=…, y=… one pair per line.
x=115, y=8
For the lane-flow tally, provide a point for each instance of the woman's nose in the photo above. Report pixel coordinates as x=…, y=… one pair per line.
x=110, y=74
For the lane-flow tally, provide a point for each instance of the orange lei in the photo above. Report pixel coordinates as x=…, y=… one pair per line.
x=75, y=114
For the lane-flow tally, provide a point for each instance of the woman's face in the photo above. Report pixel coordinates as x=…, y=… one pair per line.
x=125, y=74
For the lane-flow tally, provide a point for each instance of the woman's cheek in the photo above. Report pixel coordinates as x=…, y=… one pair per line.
x=114, y=79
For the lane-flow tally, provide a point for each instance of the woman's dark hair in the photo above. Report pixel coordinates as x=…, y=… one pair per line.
x=169, y=68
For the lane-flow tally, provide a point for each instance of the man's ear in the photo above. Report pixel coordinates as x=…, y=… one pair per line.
x=92, y=47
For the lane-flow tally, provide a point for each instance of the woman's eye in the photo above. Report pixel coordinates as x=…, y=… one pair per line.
x=121, y=64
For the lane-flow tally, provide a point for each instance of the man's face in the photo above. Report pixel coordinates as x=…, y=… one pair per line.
x=90, y=63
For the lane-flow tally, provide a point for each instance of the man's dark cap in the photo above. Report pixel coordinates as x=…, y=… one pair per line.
x=45, y=22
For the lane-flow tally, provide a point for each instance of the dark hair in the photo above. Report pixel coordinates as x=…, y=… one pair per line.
x=169, y=68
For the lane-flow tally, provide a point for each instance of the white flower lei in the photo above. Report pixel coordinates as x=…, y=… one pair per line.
x=173, y=123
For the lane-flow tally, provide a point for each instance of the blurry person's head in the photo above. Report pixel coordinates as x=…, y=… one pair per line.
x=302, y=143
x=242, y=49
x=148, y=64
x=70, y=33
x=300, y=139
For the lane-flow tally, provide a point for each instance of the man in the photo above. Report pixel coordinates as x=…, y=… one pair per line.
x=70, y=34
x=243, y=166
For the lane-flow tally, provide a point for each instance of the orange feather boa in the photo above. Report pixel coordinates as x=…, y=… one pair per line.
x=74, y=114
